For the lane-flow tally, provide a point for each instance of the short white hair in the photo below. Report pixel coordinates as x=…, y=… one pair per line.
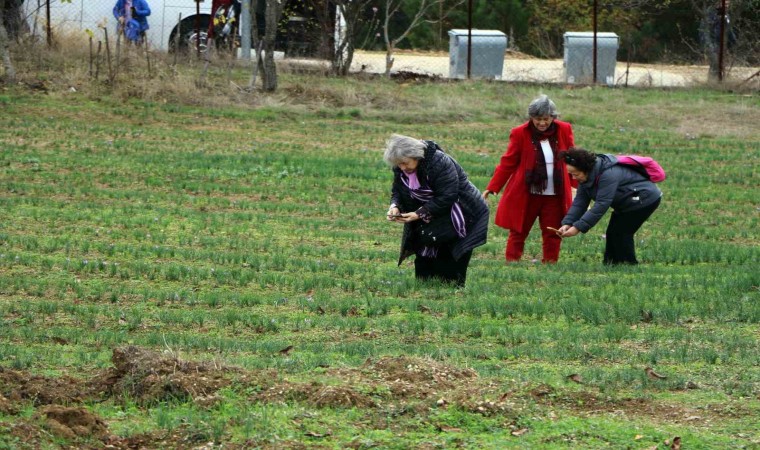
x=542, y=106
x=400, y=147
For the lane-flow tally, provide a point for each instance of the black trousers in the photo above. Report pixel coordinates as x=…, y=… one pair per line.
x=620, y=244
x=443, y=267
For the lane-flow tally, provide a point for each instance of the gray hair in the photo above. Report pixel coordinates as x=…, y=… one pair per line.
x=399, y=147
x=542, y=106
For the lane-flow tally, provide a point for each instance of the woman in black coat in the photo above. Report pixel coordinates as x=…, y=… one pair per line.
x=432, y=196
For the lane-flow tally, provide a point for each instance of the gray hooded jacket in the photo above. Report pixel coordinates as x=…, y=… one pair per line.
x=609, y=185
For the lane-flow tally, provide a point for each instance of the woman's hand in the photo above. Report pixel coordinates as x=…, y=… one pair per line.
x=568, y=231
x=486, y=193
x=392, y=214
x=408, y=217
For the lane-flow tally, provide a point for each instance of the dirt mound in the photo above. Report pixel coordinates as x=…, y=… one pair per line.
x=30, y=434
x=316, y=394
x=341, y=396
x=181, y=437
x=19, y=385
x=151, y=377
x=419, y=370
x=419, y=378
x=72, y=423
x=6, y=407
x=286, y=391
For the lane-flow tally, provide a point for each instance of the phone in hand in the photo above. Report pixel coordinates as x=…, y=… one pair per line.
x=395, y=216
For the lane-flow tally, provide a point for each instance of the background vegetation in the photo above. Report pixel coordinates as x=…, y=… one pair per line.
x=650, y=31
x=186, y=266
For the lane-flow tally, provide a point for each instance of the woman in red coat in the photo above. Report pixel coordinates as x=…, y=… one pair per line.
x=538, y=185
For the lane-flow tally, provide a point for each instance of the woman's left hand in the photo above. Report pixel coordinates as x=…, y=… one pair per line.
x=568, y=231
x=408, y=217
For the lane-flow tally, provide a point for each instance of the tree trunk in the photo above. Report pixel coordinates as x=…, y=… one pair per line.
x=5, y=53
x=269, y=68
x=343, y=54
x=12, y=18
x=388, y=61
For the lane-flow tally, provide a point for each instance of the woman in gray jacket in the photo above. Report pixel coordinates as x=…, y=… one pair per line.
x=630, y=194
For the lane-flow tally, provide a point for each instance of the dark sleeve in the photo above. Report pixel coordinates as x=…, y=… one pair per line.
x=579, y=206
x=605, y=194
x=396, y=192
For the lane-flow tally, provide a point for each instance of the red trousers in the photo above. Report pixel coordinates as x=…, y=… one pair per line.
x=549, y=210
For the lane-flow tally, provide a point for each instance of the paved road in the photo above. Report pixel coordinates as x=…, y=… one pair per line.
x=549, y=71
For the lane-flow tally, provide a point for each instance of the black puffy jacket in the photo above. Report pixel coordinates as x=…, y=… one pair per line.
x=449, y=184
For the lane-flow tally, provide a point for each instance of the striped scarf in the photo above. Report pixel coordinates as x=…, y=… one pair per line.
x=424, y=194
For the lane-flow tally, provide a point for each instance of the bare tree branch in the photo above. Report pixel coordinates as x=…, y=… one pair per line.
x=391, y=8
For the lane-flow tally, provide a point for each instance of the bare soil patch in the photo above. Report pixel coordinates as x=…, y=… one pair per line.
x=400, y=379
x=342, y=396
x=417, y=370
x=72, y=423
x=317, y=394
x=6, y=407
x=591, y=403
x=150, y=377
x=18, y=386
x=418, y=378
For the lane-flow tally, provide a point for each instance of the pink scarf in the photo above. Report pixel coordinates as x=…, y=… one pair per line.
x=414, y=183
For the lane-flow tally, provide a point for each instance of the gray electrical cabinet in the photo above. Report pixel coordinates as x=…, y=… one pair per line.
x=579, y=57
x=488, y=50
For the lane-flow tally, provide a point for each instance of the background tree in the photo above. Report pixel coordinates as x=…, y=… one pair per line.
x=13, y=20
x=358, y=16
x=508, y=16
x=272, y=15
x=417, y=16
x=740, y=44
x=5, y=53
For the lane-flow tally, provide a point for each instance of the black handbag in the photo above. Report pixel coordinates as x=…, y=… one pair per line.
x=436, y=232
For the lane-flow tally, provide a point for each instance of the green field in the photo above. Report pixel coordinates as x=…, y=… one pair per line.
x=178, y=276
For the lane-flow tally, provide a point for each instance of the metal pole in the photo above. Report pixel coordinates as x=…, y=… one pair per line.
x=469, y=39
x=722, y=39
x=198, y=27
x=595, y=9
x=245, y=30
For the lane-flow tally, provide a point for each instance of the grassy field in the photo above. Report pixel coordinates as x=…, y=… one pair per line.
x=179, y=276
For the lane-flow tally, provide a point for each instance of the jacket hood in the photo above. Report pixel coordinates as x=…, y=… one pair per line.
x=429, y=157
x=603, y=162
x=607, y=161
x=430, y=148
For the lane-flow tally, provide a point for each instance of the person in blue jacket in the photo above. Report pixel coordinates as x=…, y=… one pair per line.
x=631, y=195
x=133, y=18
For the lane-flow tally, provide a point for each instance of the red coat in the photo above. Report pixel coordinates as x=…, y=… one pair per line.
x=520, y=157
